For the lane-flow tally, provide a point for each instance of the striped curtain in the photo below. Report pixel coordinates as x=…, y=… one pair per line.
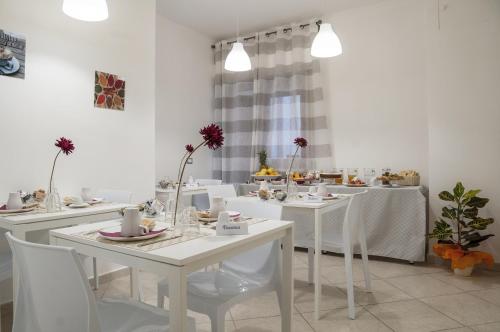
x=267, y=107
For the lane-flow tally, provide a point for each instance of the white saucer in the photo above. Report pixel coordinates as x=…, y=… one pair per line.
x=79, y=206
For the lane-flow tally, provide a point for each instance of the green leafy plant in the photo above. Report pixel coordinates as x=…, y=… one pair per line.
x=460, y=222
x=262, y=159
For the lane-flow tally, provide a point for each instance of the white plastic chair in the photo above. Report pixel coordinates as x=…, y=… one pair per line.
x=244, y=276
x=5, y=272
x=115, y=196
x=55, y=296
x=201, y=201
x=223, y=190
x=353, y=233
x=209, y=182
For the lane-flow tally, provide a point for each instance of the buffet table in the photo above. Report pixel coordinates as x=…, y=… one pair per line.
x=395, y=221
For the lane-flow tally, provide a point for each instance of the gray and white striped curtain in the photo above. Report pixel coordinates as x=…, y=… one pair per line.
x=267, y=107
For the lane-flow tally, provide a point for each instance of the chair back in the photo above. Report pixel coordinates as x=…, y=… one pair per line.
x=54, y=293
x=208, y=182
x=223, y=190
x=115, y=196
x=354, y=218
x=263, y=260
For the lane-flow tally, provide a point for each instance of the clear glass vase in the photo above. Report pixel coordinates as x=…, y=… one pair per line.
x=53, y=201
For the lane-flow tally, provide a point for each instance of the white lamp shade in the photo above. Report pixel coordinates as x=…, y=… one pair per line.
x=326, y=44
x=237, y=59
x=86, y=10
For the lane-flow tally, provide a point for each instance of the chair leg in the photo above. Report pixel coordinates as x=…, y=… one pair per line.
x=218, y=320
x=310, y=265
x=96, y=273
x=349, y=277
x=364, y=257
x=160, y=303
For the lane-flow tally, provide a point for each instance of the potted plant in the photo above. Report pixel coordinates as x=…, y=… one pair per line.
x=457, y=231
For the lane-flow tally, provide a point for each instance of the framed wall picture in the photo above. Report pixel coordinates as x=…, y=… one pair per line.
x=12, y=54
x=109, y=91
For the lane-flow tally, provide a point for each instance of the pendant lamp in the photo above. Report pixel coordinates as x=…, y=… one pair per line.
x=326, y=44
x=86, y=10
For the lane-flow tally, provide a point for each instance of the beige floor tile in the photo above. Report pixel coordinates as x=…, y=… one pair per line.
x=492, y=327
x=411, y=315
x=384, y=269
x=336, y=274
x=332, y=297
x=271, y=324
x=458, y=329
x=300, y=276
x=337, y=320
x=263, y=306
x=382, y=292
x=423, y=286
x=490, y=295
x=206, y=327
x=465, y=308
x=118, y=288
x=479, y=280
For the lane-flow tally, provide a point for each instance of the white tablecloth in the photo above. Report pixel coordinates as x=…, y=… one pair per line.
x=395, y=221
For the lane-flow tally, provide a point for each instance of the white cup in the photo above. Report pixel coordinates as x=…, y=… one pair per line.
x=14, y=202
x=312, y=190
x=86, y=194
x=131, y=224
x=76, y=200
x=322, y=191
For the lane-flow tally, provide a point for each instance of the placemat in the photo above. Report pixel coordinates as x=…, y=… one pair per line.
x=168, y=238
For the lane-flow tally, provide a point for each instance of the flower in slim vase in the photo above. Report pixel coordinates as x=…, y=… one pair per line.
x=301, y=143
x=213, y=138
x=66, y=147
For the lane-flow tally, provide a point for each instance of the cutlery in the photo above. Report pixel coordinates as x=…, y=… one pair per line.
x=159, y=240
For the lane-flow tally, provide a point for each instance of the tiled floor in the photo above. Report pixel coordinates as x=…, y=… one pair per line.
x=405, y=298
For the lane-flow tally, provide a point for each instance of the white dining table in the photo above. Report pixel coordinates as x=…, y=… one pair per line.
x=320, y=210
x=21, y=224
x=176, y=261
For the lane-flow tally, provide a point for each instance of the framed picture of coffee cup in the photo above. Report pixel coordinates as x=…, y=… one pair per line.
x=12, y=54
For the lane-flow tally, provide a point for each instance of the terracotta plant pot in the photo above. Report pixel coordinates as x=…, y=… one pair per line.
x=465, y=272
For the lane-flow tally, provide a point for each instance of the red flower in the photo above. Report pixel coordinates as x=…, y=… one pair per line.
x=189, y=148
x=213, y=136
x=300, y=141
x=66, y=145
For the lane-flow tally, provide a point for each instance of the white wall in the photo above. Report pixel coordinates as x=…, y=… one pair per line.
x=464, y=102
x=184, y=92
x=375, y=91
x=113, y=149
x=409, y=93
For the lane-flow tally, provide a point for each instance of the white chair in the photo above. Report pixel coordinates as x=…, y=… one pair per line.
x=54, y=296
x=353, y=233
x=201, y=201
x=208, y=182
x=244, y=276
x=223, y=190
x=115, y=196
x=5, y=273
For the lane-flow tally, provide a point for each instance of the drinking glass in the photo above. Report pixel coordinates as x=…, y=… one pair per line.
x=339, y=175
x=369, y=174
x=352, y=173
x=189, y=221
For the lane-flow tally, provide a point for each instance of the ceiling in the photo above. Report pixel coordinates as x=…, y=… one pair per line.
x=217, y=18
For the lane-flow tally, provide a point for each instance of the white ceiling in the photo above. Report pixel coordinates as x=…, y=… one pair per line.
x=217, y=18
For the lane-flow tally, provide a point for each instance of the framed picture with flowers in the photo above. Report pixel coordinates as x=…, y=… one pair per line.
x=109, y=91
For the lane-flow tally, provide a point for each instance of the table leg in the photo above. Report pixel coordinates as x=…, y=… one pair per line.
x=96, y=273
x=310, y=265
x=135, y=288
x=177, y=281
x=21, y=235
x=317, y=265
x=287, y=282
